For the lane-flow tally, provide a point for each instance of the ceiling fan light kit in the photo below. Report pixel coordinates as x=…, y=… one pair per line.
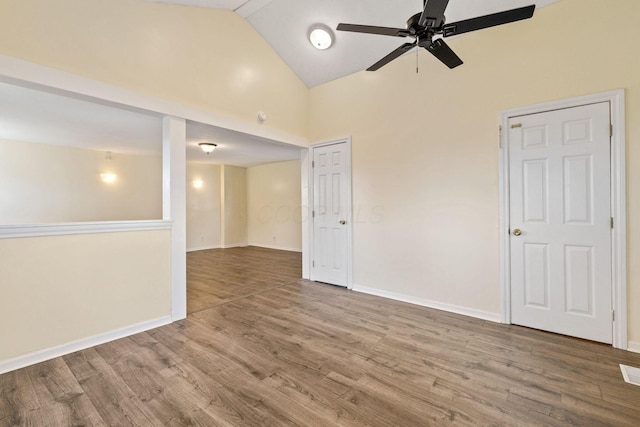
x=423, y=26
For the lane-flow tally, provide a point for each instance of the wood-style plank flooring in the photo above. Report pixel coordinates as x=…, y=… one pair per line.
x=261, y=349
x=218, y=276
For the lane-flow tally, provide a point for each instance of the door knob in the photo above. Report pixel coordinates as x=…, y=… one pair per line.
x=343, y=222
x=517, y=232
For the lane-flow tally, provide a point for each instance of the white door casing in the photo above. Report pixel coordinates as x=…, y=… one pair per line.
x=560, y=221
x=331, y=213
x=570, y=211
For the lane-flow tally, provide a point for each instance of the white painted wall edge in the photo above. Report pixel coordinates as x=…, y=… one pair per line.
x=37, y=230
x=61, y=350
x=478, y=314
x=633, y=346
x=203, y=248
x=35, y=76
x=305, y=164
x=279, y=248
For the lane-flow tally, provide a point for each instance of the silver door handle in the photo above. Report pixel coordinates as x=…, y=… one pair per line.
x=343, y=222
x=517, y=232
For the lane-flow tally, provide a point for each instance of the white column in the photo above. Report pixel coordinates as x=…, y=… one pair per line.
x=174, y=135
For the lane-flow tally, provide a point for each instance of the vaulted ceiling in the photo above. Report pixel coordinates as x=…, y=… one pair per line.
x=284, y=24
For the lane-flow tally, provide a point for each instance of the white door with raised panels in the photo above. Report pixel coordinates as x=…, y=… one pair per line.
x=560, y=214
x=331, y=213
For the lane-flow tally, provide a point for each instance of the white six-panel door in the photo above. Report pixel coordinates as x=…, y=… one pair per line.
x=330, y=214
x=559, y=180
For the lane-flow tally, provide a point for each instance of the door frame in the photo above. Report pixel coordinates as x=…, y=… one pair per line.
x=307, y=208
x=616, y=101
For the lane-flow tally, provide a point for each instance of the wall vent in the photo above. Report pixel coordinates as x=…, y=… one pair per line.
x=630, y=374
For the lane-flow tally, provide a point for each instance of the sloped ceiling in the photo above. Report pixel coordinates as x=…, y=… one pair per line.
x=284, y=24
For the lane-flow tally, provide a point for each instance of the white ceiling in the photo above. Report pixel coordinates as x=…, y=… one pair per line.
x=284, y=24
x=31, y=115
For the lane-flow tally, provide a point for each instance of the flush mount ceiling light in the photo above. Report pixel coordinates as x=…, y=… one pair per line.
x=321, y=36
x=207, y=147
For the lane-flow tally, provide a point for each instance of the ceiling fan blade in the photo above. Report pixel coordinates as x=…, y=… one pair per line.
x=393, y=55
x=370, y=29
x=443, y=52
x=487, y=21
x=433, y=13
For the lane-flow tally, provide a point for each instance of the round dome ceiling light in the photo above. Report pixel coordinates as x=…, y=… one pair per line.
x=207, y=147
x=321, y=36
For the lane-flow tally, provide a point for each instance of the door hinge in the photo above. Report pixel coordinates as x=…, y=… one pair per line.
x=313, y=263
x=313, y=163
x=611, y=222
x=613, y=315
x=610, y=130
x=313, y=214
x=517, y=125
x=500, y=136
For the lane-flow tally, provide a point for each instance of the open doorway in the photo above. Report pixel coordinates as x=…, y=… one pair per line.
x=244, y=216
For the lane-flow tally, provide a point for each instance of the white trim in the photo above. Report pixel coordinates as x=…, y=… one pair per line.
x=38, y=230
x=81, y=344
x=633, y=346
x=278, y=248
x=465, y=311
x=19, y=72
x=203, y=248
x=305, y=199
x=615, y=98
x=349, y=216
x=235, y=245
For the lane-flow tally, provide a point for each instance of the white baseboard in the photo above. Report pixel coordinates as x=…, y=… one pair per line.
x=61, y=350
x=279, y=248
x=484, y=315
x=203, y=248
x=235, y=245
x=633, y=346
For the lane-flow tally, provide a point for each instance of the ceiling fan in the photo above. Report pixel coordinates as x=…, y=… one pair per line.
x=430, y=22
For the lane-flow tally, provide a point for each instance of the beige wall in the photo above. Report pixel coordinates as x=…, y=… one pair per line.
x=59, y=289
x=203, y=206
x=234, y=206
x=274, y=205
x=425, y=169
x=205, y=58
x=425, y=146
x=42, y=183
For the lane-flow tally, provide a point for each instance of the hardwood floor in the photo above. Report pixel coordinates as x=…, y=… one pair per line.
x=266, y=350
x=217, y=276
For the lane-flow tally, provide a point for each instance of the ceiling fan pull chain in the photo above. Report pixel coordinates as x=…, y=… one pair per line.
x=417, y=63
